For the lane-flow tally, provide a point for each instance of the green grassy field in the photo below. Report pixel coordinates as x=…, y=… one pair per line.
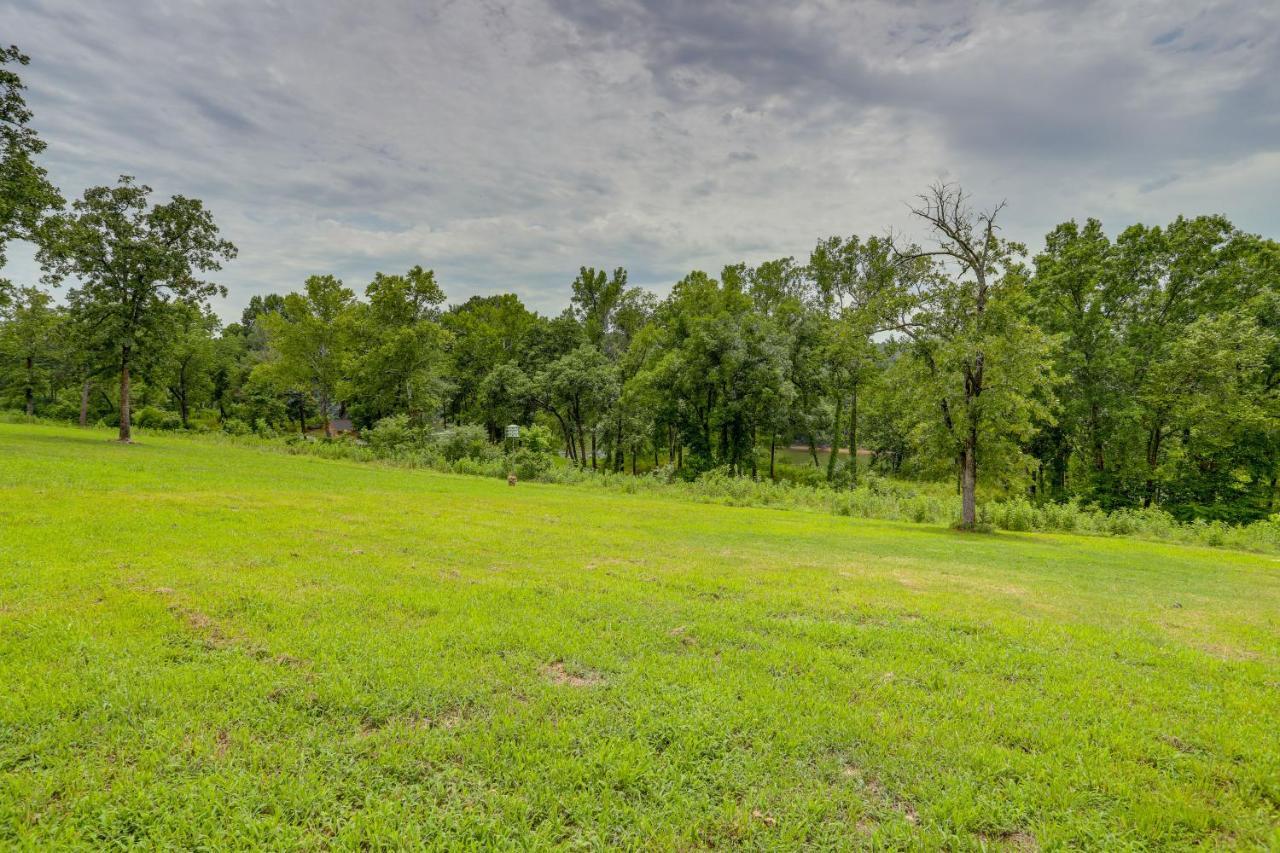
x=212, y=646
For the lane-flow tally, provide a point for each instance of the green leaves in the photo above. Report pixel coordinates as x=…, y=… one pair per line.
x=25, y=191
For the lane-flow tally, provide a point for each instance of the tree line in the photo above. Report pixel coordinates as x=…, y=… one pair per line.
x=1135, y=370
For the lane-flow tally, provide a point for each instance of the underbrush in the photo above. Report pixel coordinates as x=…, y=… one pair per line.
x=467, y=450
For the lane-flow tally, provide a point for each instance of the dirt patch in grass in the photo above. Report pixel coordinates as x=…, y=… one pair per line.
x=1015, y=840
x=446, y=720
x=557, y=673
x=222, y=743
x=681, y=633
x=879, y=796
x=1229, y=653
x=214, y=637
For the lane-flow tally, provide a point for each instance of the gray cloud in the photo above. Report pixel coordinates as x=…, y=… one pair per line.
x=505, y=144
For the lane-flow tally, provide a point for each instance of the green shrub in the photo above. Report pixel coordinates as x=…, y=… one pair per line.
x=528, y=464
x=538, y=439
x=149, y=417
x=392, y=436
x=468, y=441
x=205, y=420
x=235, y=426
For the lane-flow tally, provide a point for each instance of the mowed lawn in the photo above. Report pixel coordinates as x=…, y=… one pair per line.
x=203, y=645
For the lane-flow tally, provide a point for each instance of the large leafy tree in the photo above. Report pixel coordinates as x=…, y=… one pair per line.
x=1167, y=337
x=717, y=368
x=399, y=364
x=856, y=288
x=188, y=360
x=485, y=331
x=579, y=387
x=596, y=297
x=30, y=339
x=132, y=259
x=311, y=341
x=983, y=368
x=25, y=191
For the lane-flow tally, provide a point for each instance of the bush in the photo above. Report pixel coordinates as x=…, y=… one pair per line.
x=235, y=426
x=392, y=436
x=205, y=420
x=800, y=475
x=468, y=441
x=149, y=417
x=538, y=439
x=528, y=464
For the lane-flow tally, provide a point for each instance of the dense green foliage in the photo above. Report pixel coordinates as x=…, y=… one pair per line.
x=295, y=653
x=1134, y=372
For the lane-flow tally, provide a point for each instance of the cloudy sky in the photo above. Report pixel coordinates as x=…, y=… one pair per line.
x=507, y=143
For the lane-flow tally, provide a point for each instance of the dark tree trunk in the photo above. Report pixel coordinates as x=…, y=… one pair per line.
x=1154, y=442
x=582, y=438
x=835, y=440
x=31, y=391
x=773, y=447
x=567, y=433
x=84, y=402
x=969, y=483
x=813, y=450
x=853, y=438
x=126, y=433
x=1099, y=456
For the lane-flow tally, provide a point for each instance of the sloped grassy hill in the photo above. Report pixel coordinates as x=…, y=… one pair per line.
x=205, y=645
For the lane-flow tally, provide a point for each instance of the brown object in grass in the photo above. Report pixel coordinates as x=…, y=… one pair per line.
x=511, y=479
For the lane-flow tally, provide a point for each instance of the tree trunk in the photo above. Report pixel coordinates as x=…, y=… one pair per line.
x=969, y=484
x=593, y=449
x=835, y=440
x=183, y=411
x=813, y=450
x=324, y=413
x=773, y=447
x=31, y=391
x=582, y=439
x=567, y=433
x=126, y=433
x=1154, y=441
x=84, y=403
x=853, y=438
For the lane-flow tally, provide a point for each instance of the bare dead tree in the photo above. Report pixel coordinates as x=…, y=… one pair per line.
x=950, y=298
